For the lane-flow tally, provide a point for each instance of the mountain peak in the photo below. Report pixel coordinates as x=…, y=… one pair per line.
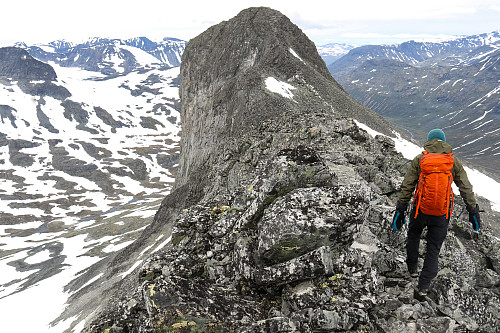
x=143, y=43
x=274, y=172
x=259, y=29
x=61, y=45
x=259, y=43
x=278, y=212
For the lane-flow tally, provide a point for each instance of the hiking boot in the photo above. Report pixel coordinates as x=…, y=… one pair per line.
x=420, y=294
x=413, y=272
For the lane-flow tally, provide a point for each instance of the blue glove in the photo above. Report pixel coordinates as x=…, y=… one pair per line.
x=474, y=217
x=399, y=216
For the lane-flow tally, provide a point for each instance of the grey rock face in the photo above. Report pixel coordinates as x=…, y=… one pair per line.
x=7, y=114
x=17, y=157
x=17, y=64
x=281, y=206
x=46, y=88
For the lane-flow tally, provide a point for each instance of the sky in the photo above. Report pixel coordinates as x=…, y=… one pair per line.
x=358, y=22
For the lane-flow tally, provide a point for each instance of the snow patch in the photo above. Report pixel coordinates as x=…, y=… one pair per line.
x=485, y=186
x=482, y=117
x=142, y=57
x=137, y=263
x=38, y=258
x=162, y=245
x=51, y=291
x=116, y=247
x=296, y=55
x=279, y=87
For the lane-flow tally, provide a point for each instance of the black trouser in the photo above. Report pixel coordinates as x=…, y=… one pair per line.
x=437, y=228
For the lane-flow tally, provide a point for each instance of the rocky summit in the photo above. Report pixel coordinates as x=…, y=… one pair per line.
x=280, y=212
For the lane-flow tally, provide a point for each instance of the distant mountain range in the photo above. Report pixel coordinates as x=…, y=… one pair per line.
x=453, y=85
x=110, y=56
x=334, y=51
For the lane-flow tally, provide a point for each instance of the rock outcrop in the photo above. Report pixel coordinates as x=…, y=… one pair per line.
x=18, y=64
x=281, y=206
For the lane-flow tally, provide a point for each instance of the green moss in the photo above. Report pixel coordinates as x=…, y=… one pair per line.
x=182, y=323
x=323, y=285
x=218, y=211
x=275, y=194
x=285, y=250
x=234, y=210
x=309, y=172
x=178, y=237
x=148, y=277
x=294, y=246
x=335, y=277
x=334, y=282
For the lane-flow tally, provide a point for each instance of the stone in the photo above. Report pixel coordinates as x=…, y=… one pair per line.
x=277, y=227
x=18, y=64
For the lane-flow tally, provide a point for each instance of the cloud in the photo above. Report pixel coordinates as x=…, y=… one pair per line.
x=383, y=10
x=35, y=20
x=400, y=36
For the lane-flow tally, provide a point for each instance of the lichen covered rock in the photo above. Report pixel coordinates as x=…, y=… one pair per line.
x=281, y=210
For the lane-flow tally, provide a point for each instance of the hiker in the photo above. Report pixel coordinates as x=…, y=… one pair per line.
x=433, y=170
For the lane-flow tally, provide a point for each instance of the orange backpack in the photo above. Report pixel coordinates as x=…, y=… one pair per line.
x=434, y=194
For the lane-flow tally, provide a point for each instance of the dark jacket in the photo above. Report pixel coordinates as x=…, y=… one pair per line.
x=458, y=173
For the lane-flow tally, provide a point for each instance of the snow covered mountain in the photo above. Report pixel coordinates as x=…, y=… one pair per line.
x=111, y=56
x=413, y=52
x=86, y=158
x=452, y=85
x=333, y=51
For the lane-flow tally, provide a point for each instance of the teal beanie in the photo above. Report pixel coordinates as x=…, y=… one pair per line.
x=436, y=134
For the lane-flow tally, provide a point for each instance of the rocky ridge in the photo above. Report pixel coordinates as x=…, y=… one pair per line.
x=280, y=208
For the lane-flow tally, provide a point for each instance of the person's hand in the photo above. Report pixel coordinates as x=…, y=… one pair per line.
x=399, y=216
x=474, y=217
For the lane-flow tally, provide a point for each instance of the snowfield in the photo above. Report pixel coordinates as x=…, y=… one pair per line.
x=71, y=221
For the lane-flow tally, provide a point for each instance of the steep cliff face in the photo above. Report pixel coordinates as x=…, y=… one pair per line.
x=281, y=205
x=225, y=73
x=17, y=64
